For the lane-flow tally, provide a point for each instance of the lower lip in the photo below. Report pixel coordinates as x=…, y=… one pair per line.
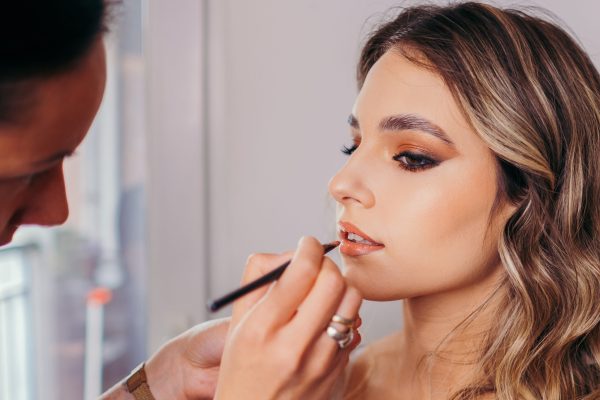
x=357, y=249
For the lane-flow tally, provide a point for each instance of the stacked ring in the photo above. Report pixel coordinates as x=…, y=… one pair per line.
x=343, y=339
x=342, y=320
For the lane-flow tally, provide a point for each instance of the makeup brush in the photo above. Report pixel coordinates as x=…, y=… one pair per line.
x=269, y=277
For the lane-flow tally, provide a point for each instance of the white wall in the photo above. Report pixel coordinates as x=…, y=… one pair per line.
x=280, y=87
x=176, y=163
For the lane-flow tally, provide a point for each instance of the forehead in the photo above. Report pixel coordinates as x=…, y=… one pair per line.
x=396, y=85
x=59, y=113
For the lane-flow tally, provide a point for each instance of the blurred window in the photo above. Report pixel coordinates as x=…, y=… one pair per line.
x=16, y=369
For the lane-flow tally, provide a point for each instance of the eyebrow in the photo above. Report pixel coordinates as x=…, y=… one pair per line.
x=403, y=122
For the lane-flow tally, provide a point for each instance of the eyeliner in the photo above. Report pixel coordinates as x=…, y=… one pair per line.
x=269, y=277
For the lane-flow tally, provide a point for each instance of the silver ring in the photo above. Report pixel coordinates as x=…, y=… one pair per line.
x=343, y=339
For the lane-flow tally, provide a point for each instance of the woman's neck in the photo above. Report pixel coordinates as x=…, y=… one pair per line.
x=438, y=348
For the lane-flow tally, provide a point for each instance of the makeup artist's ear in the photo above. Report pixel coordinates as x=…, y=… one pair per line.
x=257, y=265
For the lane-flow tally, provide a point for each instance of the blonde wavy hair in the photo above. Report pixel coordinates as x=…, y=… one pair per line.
x=533, y=95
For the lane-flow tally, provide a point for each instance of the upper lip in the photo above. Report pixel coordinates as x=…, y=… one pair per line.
x=348, y=227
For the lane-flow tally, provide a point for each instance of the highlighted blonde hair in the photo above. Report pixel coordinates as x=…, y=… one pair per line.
x=533, y=95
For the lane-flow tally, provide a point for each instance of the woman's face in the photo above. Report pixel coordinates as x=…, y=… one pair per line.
x=420, y=184
x=58, y=114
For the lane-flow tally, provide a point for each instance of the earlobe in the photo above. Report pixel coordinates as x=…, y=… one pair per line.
x=510, y=210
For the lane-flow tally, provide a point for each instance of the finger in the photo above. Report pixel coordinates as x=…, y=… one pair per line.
x=358, y=323
x=295, y=283
x=349, y=307
x=315, y=313
x=312, y=317
x=325, y=359
x=257, y=265
x=325, y=351
x=356, y=341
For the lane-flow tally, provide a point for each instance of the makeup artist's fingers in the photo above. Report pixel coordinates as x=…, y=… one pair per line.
x=325, y=367
x=324, y=298
x=311, y=321
x=316, y=312
x=325, y=355
x=288, y=293
x=257, y=265
x=358, y=322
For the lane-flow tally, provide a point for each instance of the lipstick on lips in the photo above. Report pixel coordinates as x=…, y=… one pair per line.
x=355, y=242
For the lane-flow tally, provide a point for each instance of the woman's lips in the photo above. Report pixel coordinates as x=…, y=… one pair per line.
x=358, y=246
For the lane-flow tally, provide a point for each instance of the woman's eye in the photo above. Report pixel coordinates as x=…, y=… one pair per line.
x=349, y=150
x=414, y=162
x=18, y=180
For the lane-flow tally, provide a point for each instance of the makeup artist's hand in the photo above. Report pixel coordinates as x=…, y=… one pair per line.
x=277, y=347
x=187, y=367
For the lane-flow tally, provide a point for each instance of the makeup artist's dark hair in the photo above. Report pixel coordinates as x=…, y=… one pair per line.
x=40, y=38
x=533, y=95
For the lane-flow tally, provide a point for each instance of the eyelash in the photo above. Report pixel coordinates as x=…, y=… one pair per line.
x=349, y=150
x=429, y=163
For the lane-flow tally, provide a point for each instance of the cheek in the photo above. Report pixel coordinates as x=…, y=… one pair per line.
x=434, y=224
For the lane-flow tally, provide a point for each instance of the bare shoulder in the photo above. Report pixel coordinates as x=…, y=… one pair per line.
x=367, y=355
x=357, y=373
x=362, y=371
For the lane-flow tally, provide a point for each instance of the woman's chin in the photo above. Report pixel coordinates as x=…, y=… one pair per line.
x=370, y=288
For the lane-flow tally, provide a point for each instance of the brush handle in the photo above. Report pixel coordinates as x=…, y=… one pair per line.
x=269, y=277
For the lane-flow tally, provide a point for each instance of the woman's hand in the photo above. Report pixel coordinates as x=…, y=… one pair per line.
x=277, y=347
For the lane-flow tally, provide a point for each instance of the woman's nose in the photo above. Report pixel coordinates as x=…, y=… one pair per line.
x=350, y=185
